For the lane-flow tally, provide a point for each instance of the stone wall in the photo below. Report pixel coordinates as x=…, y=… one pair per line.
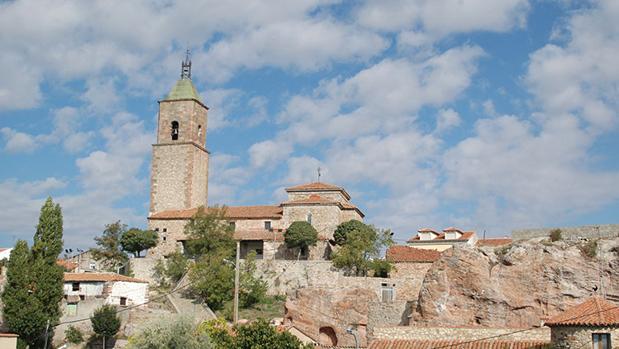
x=462, y=333
x=325, y=218
x=585, y=231
x=389, y=314
x=330, y=195
x=143, y=268
x=170, y=231
x=575, y=337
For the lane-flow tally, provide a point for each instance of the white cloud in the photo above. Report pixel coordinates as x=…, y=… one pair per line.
x=447, y=119
x=18, y=142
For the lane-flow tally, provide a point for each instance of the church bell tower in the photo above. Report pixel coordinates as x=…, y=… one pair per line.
x=179, y=176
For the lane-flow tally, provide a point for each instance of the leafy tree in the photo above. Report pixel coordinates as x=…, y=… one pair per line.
x=110, y=251
x=34, y=280
x=381, y=268
x=179, y=333
x=260, y=335
x=210, y=232
x=353, y=226
x=171, y=270
x=105, y=322
x=360, y=244
x=218, y=332
x=73, y=335
x=301, y=235
x=136, y=240
x=252, y=289
x=212, y=279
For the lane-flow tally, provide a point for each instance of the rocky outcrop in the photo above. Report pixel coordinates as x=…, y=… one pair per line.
x=518, y=285
x=324, y=314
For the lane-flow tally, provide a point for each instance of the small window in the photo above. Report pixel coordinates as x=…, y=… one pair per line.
x=601, y=341
x=123, y=301
x=82, y=297
x=309, y=217
x=75, y=286
x=165, y=238
x=93, y=266
x=199, y=131
x=267, y=225
x=387, y=294
x=174, y=127
x=165, y=230
x=156, y=229
x=232, y=224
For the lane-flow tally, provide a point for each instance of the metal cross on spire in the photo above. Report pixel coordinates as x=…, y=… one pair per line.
x=186, y=66
x=319, y=174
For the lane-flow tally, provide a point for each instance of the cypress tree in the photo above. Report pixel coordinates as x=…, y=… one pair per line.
x=48, y=237
x=22, y=311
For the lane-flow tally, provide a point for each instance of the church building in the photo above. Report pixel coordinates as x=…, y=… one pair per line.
x=179, y=187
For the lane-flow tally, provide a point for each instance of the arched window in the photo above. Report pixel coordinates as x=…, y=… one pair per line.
x=199, y=131
x=174, y=130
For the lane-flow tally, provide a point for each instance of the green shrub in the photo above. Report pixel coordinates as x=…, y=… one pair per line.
x=555, y=235
x=105, y=322
x=381, y=268
x=252, y=290
x=74, y=335
x=301, y=235
x=589, y=248
x=168, y=334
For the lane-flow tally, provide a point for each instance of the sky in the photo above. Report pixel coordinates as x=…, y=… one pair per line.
x=485, y=115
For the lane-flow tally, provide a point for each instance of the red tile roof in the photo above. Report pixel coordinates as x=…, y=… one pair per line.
x=66, y=264
x=595, y=311
x=465, y=237
x=494, y=242
x=434, y=344
x=99, y=277
x=317, y=186
x=427, y=230
x=399, y=253
x=232, y=212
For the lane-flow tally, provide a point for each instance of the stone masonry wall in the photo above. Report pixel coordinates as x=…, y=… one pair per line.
x=586, y=231
x=331, y=195
x=471, y=333
x=170, y=232
x=324, y=218
x=576, y=337
x=189, y=115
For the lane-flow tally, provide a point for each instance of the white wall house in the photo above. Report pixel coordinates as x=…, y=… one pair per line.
x=113, y=288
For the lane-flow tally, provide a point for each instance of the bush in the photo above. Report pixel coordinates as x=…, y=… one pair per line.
x=589, y=248
x=381, y=268
x=166, y=334
x=259, y=334
x=74, y=335
x=301, y=235
x=218, y=332
x=212, y=280
x=253, y=290
x=105, y=322
x=171, y=269
x=555, y=235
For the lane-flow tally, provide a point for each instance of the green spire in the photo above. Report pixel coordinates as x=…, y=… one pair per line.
x=184, y=88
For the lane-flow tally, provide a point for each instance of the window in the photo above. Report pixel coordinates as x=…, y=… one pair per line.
x=199, y=131
x=82, y=297
x=174, y=130
x=232, y=224
x=165, y=230
x=309, y=217
x=165, y=238
x=267, y=225
x=601, y=341
x=123, y=301
x=75, y=286
x=156, y=229
x=387, y=293
x=93, y=266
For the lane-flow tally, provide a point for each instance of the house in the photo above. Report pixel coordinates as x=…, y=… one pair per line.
x=106, y=288
x=591, y=324
x=8, y=341
x=83, y=261
x=427, y=238
x=409, y=262
x=261, y=228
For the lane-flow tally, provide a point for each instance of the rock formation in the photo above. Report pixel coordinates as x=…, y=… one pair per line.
x=518, y=285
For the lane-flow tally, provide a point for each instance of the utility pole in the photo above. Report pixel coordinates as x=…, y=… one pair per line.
x=236, y=282
x=46, y=334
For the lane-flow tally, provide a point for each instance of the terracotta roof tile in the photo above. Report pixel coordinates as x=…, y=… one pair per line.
x=232, y=212
x=99, y=277
x=465, y=237
x=433, y=344
x=595, y=311
x=399, y=253
x=66, y=264
x=317, y=186
x=494, y=242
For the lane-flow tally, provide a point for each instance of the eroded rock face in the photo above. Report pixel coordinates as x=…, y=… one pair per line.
x=324, y=314
x=514, y=286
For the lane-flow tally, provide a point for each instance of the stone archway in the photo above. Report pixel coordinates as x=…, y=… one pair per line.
x=327, y=336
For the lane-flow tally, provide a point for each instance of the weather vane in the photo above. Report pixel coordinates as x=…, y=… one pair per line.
x=319, y=174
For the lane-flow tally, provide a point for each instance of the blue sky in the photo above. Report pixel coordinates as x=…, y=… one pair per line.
x=484, y=115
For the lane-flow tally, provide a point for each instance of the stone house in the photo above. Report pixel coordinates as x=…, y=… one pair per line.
x=261, y=228
x=105, y=288
x=179, y=187
x=410, y=261
x=427, y=238
x=593, y=324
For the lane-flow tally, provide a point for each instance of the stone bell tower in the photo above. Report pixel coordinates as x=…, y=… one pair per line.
x=179, y=176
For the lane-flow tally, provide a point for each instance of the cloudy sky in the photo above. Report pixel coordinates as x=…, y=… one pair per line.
x=487, y=115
